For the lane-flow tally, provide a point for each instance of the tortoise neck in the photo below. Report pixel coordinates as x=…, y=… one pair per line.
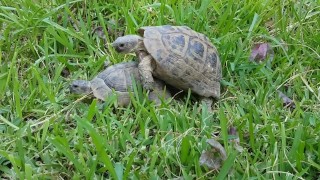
x=140, y=45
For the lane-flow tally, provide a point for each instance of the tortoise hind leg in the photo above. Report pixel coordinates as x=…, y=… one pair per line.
x=160, y=92
x=145, y=70
x=208, y=101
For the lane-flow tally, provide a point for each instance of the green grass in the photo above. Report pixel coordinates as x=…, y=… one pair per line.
x=46, y=133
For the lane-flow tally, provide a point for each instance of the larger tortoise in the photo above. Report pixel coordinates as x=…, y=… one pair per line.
x=177, y=55
x=117, y=78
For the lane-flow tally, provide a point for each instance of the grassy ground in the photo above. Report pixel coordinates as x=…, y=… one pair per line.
x=48, y=134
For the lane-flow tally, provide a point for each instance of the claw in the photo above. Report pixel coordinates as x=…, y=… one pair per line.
x=148, y=86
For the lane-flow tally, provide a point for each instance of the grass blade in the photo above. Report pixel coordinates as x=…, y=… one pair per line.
x=100, y=147
x=227, y=165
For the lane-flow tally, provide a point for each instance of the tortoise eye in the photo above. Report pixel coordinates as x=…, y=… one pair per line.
x=75, y=86
x=121, y=45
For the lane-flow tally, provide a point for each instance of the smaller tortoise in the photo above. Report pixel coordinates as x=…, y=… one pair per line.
x=178, y=55
x=118, y=78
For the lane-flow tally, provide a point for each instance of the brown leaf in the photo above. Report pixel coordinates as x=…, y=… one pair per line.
x=287, y=102
x=99, y=32
x=217, y=146
x=234, y=139
x=65, y=72
x=211, y=158
x=260, y=51
x=113, y=29
x=208, y=159
x=232, y=131
x=74, y=22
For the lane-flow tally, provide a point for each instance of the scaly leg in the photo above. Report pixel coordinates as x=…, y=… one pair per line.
x=145, y=69
x=160, y=92
x=208, y=101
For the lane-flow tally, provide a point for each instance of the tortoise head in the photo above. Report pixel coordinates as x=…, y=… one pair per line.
x=80, y=87
x=128, y=43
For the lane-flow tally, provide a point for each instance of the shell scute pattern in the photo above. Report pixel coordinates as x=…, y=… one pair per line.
x=175, y=43
x=119, y=76
x=184, y=58
x=186, y=46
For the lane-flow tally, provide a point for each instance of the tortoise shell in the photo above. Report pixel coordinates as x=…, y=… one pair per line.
x=184, y=58
x=119, y=76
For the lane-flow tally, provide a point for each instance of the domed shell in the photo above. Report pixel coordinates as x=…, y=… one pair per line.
x=119, y=76
x=184, y=58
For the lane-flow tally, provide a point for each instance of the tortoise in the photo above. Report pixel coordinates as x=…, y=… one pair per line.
x=178, y=55
x=118, y=78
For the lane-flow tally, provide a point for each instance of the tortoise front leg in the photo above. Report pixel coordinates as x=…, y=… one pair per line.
x=145, y=69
